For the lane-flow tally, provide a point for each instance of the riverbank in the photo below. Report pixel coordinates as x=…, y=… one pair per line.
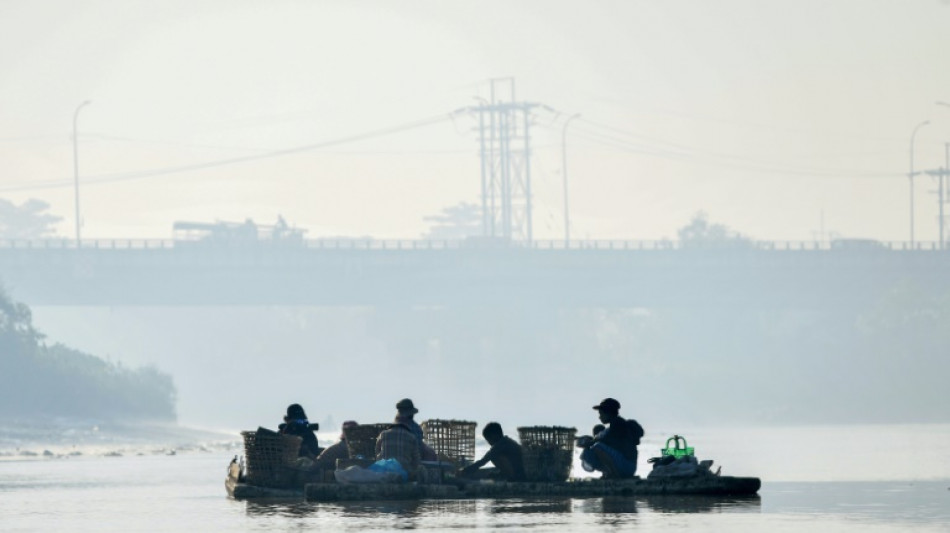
x=68, y=437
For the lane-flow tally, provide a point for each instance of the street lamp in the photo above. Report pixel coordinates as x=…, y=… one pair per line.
x=911, y=176
x=946, y=167
x=567, y=216
x=76, y=166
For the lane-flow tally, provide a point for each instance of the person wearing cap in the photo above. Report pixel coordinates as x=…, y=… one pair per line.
x=400, y=444
x=505, y=454
x=613, y=451
x=296, y=423
x=327, y=458
x=405, y=410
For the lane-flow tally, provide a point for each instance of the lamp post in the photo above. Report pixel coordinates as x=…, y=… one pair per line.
x=911, y=176
x=946, y=168
x=76, y=167
x=567, y=215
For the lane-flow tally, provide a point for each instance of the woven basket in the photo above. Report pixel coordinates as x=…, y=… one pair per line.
x=548, y=452
x=361, y=439
x=270, y=457
x=453, y=440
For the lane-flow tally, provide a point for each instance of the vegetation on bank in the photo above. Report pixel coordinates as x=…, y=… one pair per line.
x=41, y=380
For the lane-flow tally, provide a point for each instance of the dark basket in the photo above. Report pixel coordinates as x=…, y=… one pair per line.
x=548, y=452
x=451, y=439
x=270, y=457
x=361, y=439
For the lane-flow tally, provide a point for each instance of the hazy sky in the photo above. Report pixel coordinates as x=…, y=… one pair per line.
x=768, y=115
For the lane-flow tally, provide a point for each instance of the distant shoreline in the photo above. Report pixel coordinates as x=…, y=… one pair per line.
x=65, y=437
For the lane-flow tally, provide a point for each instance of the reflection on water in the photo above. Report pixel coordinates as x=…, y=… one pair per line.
x=525, y=506
x=702, y=504
x=185, y=493
x=530, y=506
x=284, y=508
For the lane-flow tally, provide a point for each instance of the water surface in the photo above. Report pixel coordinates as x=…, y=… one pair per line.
x=156, y=491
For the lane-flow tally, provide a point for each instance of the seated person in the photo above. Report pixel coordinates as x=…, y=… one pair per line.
x=405, y=411
x=327, y=459
x=505, y=454
x=614, y=450
x=296, y=423
x=400, y=444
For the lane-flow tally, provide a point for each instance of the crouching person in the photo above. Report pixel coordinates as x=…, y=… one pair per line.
x=505, y=455
x=613, y=451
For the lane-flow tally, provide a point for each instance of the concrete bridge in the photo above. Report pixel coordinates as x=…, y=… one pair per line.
x=850, y=274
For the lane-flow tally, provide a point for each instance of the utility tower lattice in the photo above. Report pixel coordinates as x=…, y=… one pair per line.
x=942, y=174
x=505, y=143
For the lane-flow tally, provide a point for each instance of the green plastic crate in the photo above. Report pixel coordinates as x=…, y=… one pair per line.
x=677, y=450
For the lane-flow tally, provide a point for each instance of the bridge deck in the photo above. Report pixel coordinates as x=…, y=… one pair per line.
x=195, y=274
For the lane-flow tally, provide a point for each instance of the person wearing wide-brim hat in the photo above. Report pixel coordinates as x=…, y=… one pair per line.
x=614, y=450
x=405, y=410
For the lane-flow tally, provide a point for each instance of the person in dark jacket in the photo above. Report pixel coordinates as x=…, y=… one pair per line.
x=505, y=454
x=614, y=450
x=296, y=423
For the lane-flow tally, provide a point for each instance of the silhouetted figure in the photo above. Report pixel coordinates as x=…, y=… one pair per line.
x=614, y=450
x=405, y=410
x=505, y=454
x=400, y=444
x=327, y=458
x=296, y=423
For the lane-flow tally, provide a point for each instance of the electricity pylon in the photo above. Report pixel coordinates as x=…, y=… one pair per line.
x=504, y=126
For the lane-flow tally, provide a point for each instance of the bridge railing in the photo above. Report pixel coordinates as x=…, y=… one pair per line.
x=478, y=244
x=103, y=244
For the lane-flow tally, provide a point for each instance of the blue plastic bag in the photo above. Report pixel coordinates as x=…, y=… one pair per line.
x=390, y=466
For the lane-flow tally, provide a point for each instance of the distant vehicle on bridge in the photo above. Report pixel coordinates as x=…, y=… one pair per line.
x=240, y=233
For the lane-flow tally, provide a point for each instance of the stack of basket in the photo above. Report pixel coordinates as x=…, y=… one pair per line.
x=452, y=440
x=361, y=440
x=548, y=452
x=270, y=457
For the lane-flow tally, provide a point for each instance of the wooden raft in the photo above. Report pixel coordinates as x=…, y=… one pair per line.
x=335, y=492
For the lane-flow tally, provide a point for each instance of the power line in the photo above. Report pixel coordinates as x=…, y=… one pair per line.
x=763, y=126
x=692, y=155
x=107, y=137
x=126, y=176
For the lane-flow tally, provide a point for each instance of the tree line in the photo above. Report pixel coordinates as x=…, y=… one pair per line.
x=53, y=380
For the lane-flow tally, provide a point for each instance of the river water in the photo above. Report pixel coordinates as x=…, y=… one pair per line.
x=825, y=478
